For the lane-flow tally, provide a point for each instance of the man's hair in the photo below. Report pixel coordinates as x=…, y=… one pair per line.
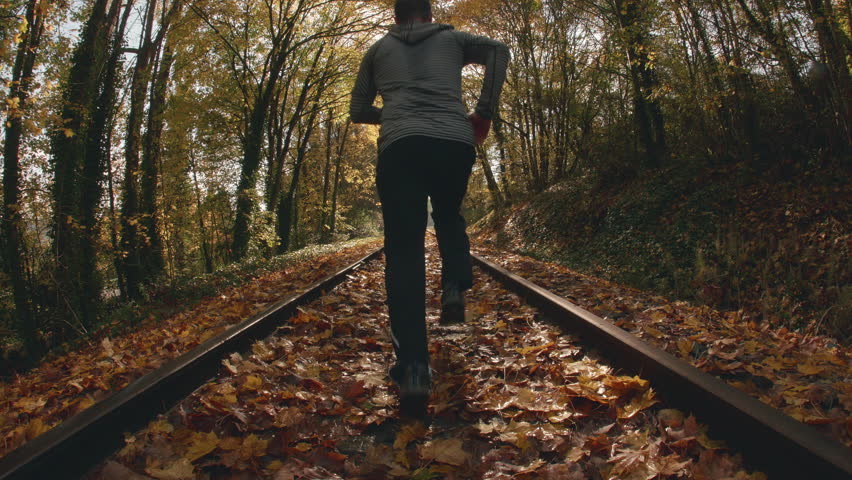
x=409, y=10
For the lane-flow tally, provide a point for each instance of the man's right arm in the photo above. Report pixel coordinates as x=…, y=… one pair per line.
x=361, y=107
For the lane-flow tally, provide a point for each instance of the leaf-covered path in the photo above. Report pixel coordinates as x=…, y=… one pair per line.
x=806, y=376
x=35, y=402
x=514, y=398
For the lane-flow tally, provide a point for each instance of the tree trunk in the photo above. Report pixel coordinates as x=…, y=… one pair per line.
x=501, y=147
x=142, y=250
x=646, y=109
x=326, y=178
x=251, y=158
x=713, y=73
x=113, y=231
x=748, y=116
x=493, y=189
x=151, y=251
x=276, y=174
x=132, y=230
x=840, y=84
x=19, y=90
x=766, y=30
x=341, y=149
x=205, y=247
x=98, y=154
x=285, y=208
x=78, y=286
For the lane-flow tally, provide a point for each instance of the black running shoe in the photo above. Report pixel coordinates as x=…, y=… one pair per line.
x=452, y=304
x=416, y=381
x=415, y=386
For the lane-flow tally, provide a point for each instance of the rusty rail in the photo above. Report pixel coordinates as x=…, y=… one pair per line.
x=772, y=441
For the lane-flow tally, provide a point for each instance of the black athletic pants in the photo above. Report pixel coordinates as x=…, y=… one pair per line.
x=410, y=170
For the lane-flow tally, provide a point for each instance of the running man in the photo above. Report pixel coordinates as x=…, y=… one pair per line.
x=426, y=150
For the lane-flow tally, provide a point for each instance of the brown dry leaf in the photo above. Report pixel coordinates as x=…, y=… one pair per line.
x=666, y=466
x=671, y=418
x=517, y=433
x=116, y=471
x=494, y=425
x=653, y=332
x=181, y=469
x=29, y=404
x=448, y=451
x=408, y=433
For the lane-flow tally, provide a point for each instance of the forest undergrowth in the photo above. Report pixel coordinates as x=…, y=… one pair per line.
x=773, y=243
x=161, y=300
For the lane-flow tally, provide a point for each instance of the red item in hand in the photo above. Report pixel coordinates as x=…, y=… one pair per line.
x=481, y=127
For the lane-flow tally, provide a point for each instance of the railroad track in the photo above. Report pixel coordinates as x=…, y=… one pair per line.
x=770, y=440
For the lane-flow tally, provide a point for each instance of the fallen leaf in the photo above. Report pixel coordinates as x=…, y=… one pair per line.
x=36, y=428
x=448, y=451
x=181, y=469
x=809, y=369
x=202, y=444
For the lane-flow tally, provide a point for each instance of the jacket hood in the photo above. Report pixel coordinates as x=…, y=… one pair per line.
x=416, y=32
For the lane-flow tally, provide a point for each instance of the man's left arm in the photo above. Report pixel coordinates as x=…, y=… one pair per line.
x=361, y=107
x=495, y=56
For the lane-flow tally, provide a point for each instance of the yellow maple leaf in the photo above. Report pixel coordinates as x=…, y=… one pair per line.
x=253, y=382
x=160, y=426
x=774, y=363
x=68, y=132
x=230, y=443
x=810, y=368
x=653, y=332
x=303, y=447
x=685, y=347
x=253, y=446
x=36, y=428
x=639, y=403
x=530, y=350
x=202, y=444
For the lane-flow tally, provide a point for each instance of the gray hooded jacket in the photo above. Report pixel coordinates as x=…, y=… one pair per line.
x=417, y=68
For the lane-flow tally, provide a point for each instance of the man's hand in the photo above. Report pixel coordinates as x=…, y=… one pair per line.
x=481, y=126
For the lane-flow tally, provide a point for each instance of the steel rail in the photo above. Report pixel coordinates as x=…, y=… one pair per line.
x=75, y=446
x=771, y=441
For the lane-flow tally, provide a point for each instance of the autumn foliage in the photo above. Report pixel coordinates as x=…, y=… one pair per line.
x=514, y=398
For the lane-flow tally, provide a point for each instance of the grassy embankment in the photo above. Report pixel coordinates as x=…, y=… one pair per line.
x=775, y=243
